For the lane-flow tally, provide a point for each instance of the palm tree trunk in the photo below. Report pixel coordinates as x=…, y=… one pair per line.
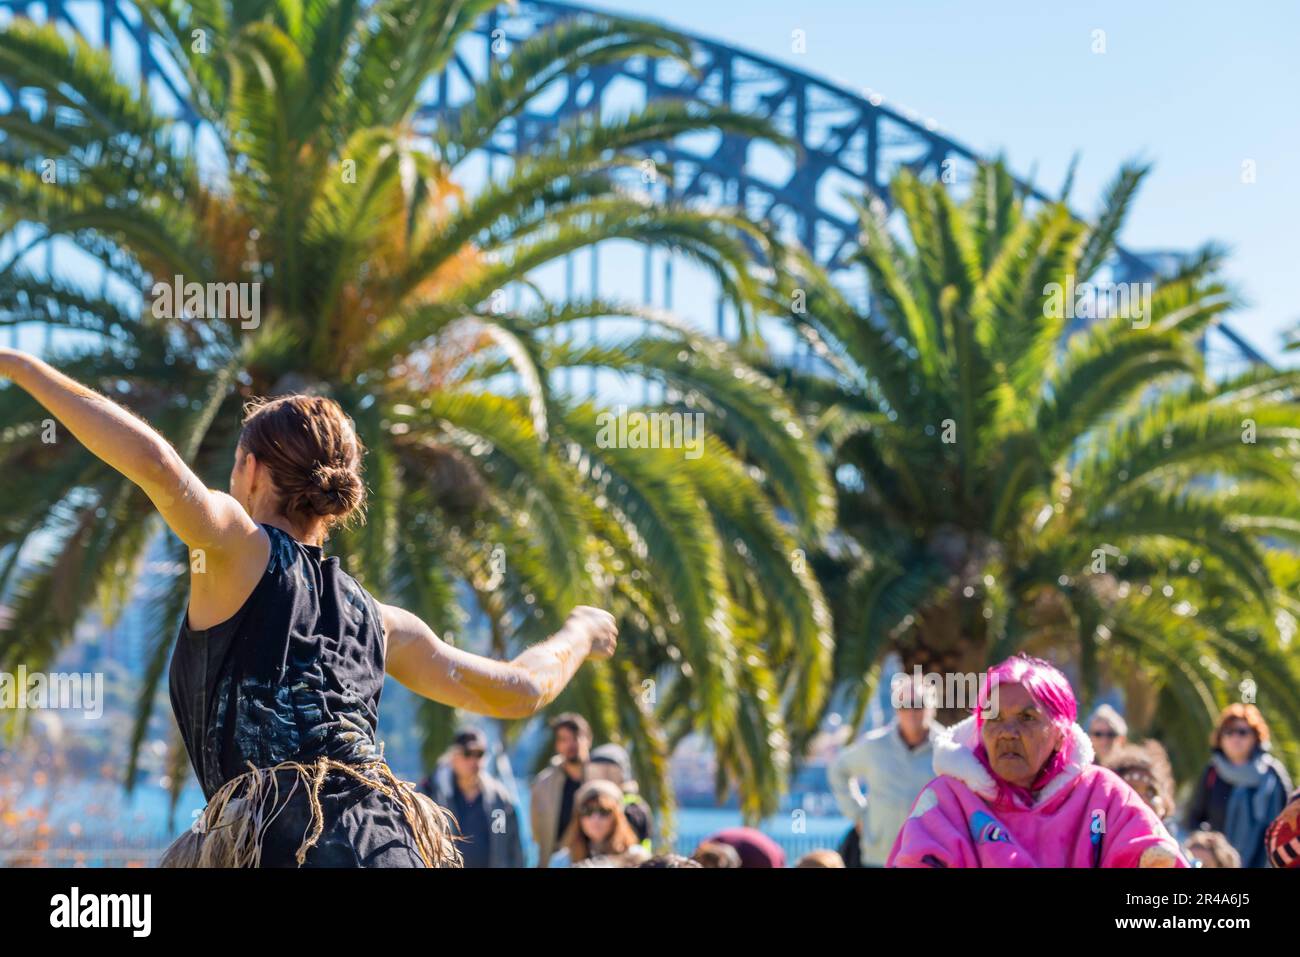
x=949, y=640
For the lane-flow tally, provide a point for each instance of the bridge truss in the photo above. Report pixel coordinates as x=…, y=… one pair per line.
x=850, y=141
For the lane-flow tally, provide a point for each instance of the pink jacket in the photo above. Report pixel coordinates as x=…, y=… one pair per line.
x=1085, y=816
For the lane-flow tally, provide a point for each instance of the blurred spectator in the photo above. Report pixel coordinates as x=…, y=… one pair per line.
x=611, y=763
x=1282, y=839
x=850, y=849
x=482, y=807
x=895, y=762
x=1145, y=768
x=754, y=847
x=1211, y=849
x=551, y=805
x=1244, y=787
x=1107, y=729
x=713, y=854
x=670, y=860
x=599, y=829
x=820, y=859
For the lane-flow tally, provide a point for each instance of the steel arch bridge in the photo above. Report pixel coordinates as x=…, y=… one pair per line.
x=850, y=141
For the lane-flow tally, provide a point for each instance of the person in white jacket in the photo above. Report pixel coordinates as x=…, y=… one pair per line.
x=894, y=762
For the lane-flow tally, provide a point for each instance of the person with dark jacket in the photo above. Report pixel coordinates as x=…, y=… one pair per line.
x=1243, y=788
x=550, y=806
x=485, y=815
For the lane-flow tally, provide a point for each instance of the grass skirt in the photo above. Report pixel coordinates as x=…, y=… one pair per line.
x=232, y=830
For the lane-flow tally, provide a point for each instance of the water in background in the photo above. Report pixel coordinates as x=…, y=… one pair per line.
x=85, y=823
x=62, y=801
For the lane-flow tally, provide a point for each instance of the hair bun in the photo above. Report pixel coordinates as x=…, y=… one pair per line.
x=335, y=490
x=310, y=446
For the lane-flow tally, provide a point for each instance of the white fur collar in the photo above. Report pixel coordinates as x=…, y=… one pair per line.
x=954, y=755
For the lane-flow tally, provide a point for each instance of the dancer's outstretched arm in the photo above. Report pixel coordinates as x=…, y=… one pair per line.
x=200, y=517
x=500, y=689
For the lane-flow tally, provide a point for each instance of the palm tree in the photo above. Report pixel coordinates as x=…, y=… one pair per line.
x=378, y=273
x=1009, y=479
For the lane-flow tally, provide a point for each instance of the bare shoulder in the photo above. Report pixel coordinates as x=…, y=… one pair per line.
x=400, y=627
x=222, y=580
x=241, y=539
x=233, y=511
x=393, y=618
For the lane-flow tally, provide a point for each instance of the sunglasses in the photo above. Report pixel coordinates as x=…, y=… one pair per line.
x=595, y=810
x=474, y=754
x=1238, y=732
x=1103, y=734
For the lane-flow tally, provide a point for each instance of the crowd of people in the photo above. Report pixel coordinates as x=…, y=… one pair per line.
x=1028, y=786
x=280, y=660
x=584, y=811
x=1018, y=784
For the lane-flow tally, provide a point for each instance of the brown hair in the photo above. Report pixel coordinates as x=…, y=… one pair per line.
x=574, y=722
x=1216, y=845
x=621, y=836
x=716, y=854
x=311, y=448
x=821, y=858
x=1148, y=760
x=669, y=860
x=1242, y=712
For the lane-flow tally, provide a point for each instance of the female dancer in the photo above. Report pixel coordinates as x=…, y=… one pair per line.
x=280, y=661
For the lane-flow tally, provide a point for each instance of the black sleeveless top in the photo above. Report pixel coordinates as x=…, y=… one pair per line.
x=296, y=673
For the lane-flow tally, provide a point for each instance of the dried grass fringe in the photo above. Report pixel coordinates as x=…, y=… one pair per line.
x=230, y=831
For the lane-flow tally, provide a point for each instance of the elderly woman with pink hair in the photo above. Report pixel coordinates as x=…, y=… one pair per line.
x=1016, y=787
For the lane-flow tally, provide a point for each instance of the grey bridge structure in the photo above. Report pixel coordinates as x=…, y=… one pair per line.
x=850, y=142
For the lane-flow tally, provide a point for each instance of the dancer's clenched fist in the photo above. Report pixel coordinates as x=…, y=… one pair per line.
x=600, y=625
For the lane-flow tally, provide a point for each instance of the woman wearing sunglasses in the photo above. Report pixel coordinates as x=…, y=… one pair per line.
x=1108, y=731
x=600, y=832
x=1243, y=788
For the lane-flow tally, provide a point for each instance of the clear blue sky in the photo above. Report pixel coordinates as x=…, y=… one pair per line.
x=1196, y=87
